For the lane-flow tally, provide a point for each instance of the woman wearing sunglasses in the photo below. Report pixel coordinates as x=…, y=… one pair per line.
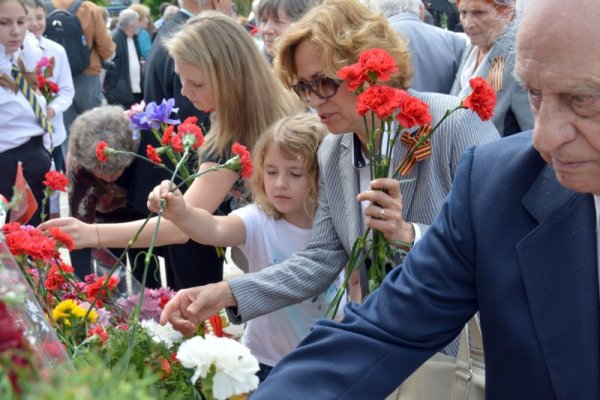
x=330, y=36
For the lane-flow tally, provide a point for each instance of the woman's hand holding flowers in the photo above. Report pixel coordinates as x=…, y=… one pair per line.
x=385, y=211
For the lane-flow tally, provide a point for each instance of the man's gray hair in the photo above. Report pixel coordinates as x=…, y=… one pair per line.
x=389, y=8
x=127, y=17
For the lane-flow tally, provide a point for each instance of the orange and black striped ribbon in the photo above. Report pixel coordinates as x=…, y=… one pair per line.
x=32, y=99
x=421, y=152
x=494, y=77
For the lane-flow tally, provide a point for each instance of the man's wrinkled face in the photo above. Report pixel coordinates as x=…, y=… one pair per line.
x=560, y=68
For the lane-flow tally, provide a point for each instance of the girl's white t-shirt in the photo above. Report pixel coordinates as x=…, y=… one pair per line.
x=268, y=242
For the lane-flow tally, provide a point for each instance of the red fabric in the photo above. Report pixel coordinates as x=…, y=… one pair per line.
x=26, y=207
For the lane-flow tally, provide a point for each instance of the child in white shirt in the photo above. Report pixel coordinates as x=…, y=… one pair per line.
x=284, y=185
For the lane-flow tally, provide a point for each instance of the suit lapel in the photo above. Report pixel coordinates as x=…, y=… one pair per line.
x=408, y=183
x=352, y=212
x=558, y=262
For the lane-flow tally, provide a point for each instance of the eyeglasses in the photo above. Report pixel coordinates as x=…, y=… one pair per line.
x=323, y=86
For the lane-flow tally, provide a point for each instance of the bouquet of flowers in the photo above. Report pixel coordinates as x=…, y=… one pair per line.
x=392, y=116
x=45, y=69
x=92, y=317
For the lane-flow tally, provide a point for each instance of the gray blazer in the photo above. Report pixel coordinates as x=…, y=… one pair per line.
x=513, y=110
x=435, y=52
x=338, y=221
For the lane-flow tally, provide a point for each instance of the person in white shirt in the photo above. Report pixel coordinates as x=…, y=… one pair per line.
x=61, y=75
x=20, y=129
x=284, y=186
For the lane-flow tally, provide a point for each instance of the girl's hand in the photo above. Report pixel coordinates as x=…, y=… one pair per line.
x=175, y=208
x=384, y=214
x=83, y=235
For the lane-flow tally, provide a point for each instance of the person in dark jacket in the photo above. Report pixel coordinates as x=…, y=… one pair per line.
x=123, y=82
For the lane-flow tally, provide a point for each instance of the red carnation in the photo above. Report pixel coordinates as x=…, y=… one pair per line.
x=191, y=135
x=53, y=86
x=11, y=227
x=245, y=159
x=354, y=75
x=62, y=237
x=191, y=120
x=482, y=99
x=373, y=65
x=382, y=100
x=56, y=180
x=100, y=332
x=153, y=155
x=177, y=143
x=167, y=135
x=94, y=288
x=101, y=151
x=378, y=62
x=413, y=112
x=163, y=300
x=41, y=81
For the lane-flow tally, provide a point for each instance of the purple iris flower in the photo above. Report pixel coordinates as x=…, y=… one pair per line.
x=154, y=115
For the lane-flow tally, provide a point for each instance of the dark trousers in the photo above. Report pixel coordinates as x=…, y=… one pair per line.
x=36, y=162
x=192, y=264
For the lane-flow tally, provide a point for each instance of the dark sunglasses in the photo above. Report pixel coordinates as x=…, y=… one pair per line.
x=323, y=86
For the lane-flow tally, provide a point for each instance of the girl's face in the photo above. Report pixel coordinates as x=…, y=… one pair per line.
x=483, y=22
x=195, y=85
x=287, y=186
x=12, y=25
x=338, y=112
x=36, y=21
x=271, y=27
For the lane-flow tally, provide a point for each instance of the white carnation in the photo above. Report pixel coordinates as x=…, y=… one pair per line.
x=235, y=366
x=165, y=334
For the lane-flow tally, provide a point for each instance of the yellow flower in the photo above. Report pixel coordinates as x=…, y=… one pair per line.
x=69, y=308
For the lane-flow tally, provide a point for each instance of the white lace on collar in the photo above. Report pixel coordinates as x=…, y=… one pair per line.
x=30, y=53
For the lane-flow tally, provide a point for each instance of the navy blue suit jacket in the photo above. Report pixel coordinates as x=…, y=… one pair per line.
x=511, y=243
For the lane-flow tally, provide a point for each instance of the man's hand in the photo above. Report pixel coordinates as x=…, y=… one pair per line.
x=193, y=306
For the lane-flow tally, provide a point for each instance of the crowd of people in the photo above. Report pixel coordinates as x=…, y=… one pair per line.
x=496, y=222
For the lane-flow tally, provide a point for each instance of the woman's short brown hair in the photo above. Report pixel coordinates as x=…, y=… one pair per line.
x=341, y=29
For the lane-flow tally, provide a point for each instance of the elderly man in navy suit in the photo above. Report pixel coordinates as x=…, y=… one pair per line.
x=435, y=52
x=516, y=240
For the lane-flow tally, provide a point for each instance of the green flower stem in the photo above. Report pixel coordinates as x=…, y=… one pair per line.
x=147, y=259
x=130, y=153
x=172, y=156
x=47, y=193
